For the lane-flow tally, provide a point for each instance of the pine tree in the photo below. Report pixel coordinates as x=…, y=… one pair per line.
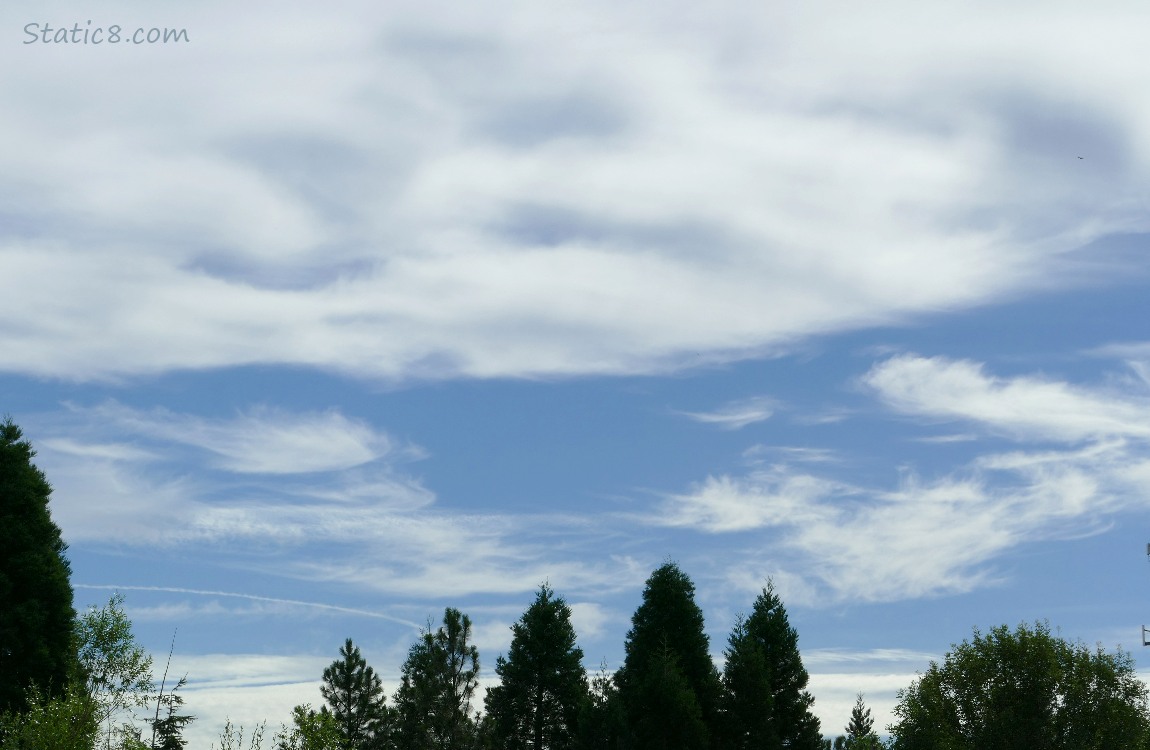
x=433, y=702
x=860, y=729
x=36, y=615
x=542, y=681
x=355, y=699
x=667, y=637
x=767, y=704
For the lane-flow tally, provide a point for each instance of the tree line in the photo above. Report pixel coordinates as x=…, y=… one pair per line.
x=667, y=694
x=79, y=681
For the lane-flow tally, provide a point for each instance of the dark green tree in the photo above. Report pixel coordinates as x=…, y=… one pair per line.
x=860, y=729
x=169, y=724
x=355, y=699
x=433, y=702
x=36, y=615
x=542, y=681
x=667, y=637
x=766, y=700
x=602, y=723
x=1009, y=690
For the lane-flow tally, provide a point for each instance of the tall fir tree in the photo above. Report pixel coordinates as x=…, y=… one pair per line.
x=543, y=684
x=36, y=615
x=860, y=729
x=433, y=702
x=356, y=700
x=766, y=700
x=667, y=640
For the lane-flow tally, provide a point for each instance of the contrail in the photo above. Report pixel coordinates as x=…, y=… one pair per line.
x=254, y=598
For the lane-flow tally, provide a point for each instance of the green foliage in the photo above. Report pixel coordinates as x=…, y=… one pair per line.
x=66, y=722
x=667, y=637
x=602, y=723
x=542, y=682
x=355, y=700
x=860, y=729
x=36, y=619
x=310, y=730
x=167, y=732
x=433, y=702
x=766, y=702
x=114, y=667
x=1024, y=689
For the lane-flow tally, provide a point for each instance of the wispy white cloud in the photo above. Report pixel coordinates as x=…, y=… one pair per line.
x=294, y=603
x=263, y=440
x=1022, y=407
x=736, y=414
x=927, y=536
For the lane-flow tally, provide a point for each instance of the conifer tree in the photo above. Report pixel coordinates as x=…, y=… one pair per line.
x=355, y=699
x=542, y=681
x=36, y=615
x=433, y=702
x=767, y=704
x=860, y=729
x=667, y=637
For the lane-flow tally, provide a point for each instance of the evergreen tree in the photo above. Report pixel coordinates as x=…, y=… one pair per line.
x=433, y=702
x=167, y=732
x=36, y=615
x=860, y=729
x=667, y=638
x=766, y=700
x=542, y=681
x=602, y=723
x=355, y=699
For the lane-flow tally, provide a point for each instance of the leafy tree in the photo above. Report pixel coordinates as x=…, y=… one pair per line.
x=667, y=638
x=355, y=696
x=860, y=729
x=1024, y=689
x=310, y=730
x=542, y=682
x=36, y=619
x=65, y=722
x=116, y=670
x=433, y=702
x=767, y=704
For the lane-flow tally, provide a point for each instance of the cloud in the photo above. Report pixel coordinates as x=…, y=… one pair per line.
x=263, y=440
x=349, y=513
x=1023, y=407
x=594, y=189
x=736, y=414
x=927, y=536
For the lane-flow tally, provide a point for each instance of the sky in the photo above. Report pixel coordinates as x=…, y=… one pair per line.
x=325, y=318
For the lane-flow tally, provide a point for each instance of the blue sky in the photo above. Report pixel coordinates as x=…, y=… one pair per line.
x=329, y=318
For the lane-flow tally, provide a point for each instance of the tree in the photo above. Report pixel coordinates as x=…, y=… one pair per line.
x=602, y=723
x=63, y=722
x=310, y=730
x=766, y=701
x=36, y=619
x=433, y=702
x=860, y=729
x=542, y=681
x=1024, y=689
x=667, y=638
x=115, y=669
x=355, y=696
